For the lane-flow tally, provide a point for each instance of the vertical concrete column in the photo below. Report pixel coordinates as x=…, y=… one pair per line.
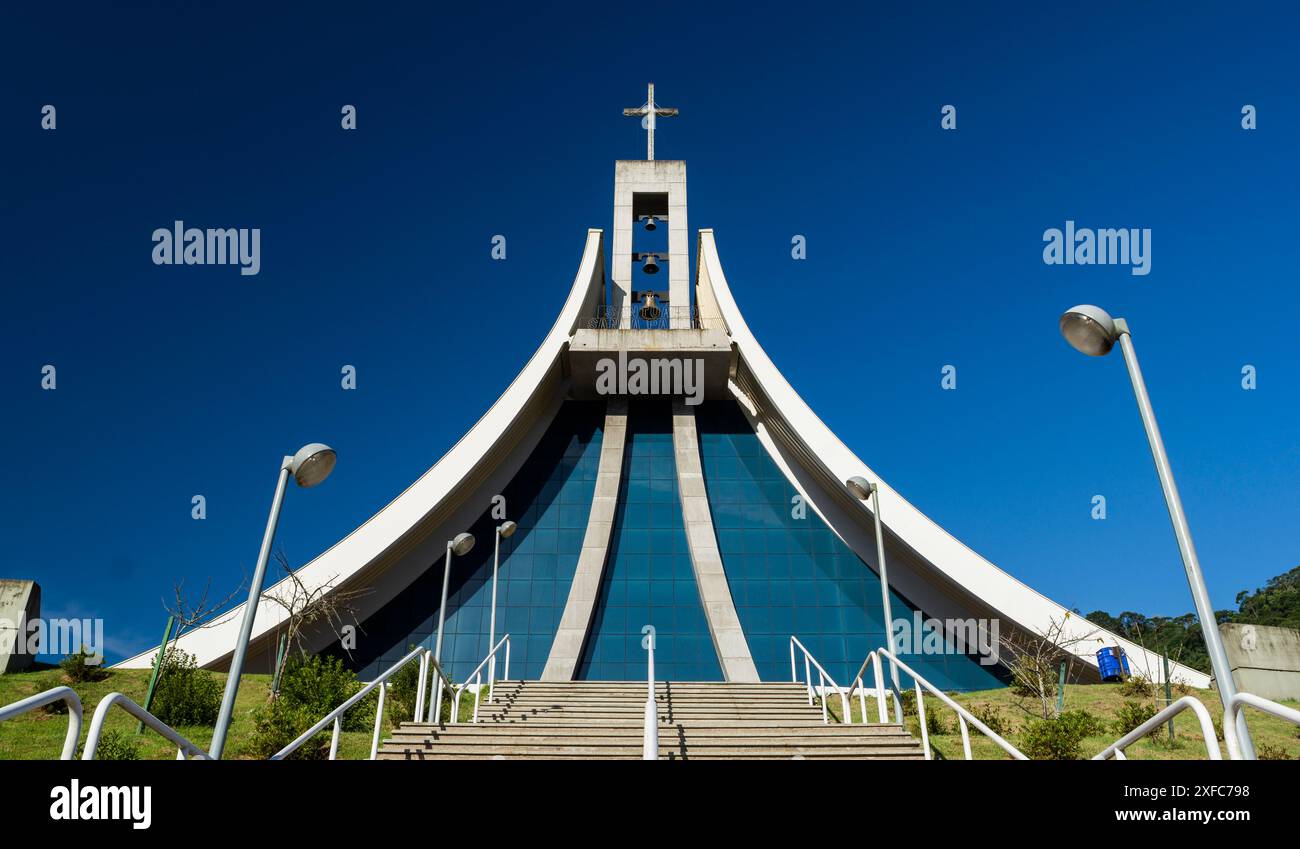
x=571, y=635
x=660, y=177
x=715, y=593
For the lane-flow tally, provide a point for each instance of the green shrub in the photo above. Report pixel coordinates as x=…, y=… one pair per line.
x=316, y=685
x=1265, y=752
x=1131, y=715
x=934, y=723
x=1137, y=687
x=79, y=668
x=991, y=715
x=117, y=746
x=1060, y=738
x=186, y=695
x=276, y=724
x=399, y=704
x=310, y=689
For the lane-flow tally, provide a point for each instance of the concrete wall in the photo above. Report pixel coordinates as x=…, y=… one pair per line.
x=20, y=602
x=1265, y=660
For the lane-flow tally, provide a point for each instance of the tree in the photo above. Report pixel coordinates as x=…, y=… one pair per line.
x=192, y=613
x=1034, y=662
x=305, y=606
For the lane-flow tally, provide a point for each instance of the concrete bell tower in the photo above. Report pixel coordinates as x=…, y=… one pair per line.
x=648, y=194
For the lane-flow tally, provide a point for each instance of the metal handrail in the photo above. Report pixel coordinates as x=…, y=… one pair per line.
x=822, y=678
x=1116, y=750
x=964, y=717
x=628, y=317
x=335, y=716
x=49, y=697
x=650, y=736
x=1233, y=708
x=476, y=678
x=184, y=747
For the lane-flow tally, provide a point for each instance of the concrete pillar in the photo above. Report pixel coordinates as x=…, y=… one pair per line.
x=715, y=593
x=20, y=603
x=571, y=635
x=643, y=187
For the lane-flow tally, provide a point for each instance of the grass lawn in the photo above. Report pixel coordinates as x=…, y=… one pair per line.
x=39, y=734
x=1271, y=735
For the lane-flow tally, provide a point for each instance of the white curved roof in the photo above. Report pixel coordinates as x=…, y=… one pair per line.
x=389, y=530
x=943, y=552
x=384, y=531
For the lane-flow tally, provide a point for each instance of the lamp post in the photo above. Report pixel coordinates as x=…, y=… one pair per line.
x=1091, y=330
x=505, y=530
x=864, y=489
x=311, y=465
x=459, y=546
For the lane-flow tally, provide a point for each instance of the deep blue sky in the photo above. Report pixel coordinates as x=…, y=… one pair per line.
x=924, y=249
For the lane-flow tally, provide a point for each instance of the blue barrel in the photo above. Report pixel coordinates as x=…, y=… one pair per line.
x=1112, y=663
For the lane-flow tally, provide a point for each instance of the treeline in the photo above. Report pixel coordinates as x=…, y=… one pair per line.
x=1179, y=637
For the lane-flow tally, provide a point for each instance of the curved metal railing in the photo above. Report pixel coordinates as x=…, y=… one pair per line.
x=68, y=696
x=335, y=716
x=1234, y=706
x=1116, y=750
x=650, y=734
x=964, y=717
x=184, y=747
x=476, y=678
x=823, y=677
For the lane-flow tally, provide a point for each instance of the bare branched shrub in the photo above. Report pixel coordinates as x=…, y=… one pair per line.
x=1034, y=663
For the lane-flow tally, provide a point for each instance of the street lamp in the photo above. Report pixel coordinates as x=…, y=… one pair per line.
x=1092, y=331
x=460, y=546
x=311, y=465
x=505, y=530
x=863, y=489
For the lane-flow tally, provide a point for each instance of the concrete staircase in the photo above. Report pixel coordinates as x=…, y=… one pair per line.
x=598, y=720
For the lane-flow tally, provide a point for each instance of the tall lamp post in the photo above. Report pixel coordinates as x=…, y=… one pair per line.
x=311, y=465
x=460, y=546
x=505, y=530
x=863, y=490
x=1091, y=330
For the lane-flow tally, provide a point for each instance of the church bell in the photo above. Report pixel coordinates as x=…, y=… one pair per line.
x=650, y=266
x=649, y=307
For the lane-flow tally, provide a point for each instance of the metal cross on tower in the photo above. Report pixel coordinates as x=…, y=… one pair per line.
x=648, y=111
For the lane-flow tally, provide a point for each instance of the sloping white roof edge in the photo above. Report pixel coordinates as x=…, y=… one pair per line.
x=377, y=534
x=945, y=553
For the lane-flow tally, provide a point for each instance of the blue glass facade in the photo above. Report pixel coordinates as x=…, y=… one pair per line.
x=648, y=576
x=550, y=499
x=790, y=574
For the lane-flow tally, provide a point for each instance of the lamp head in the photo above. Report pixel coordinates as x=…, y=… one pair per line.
x=462, y=544
x=1089, y=330
x=312, y=464
x=507, y=529
x=860, y=487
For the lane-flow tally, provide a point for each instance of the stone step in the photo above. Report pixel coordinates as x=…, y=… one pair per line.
x=692, y=740
x=444, y=751
x=710, y=729
x=622, y=739
x=589, y=720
